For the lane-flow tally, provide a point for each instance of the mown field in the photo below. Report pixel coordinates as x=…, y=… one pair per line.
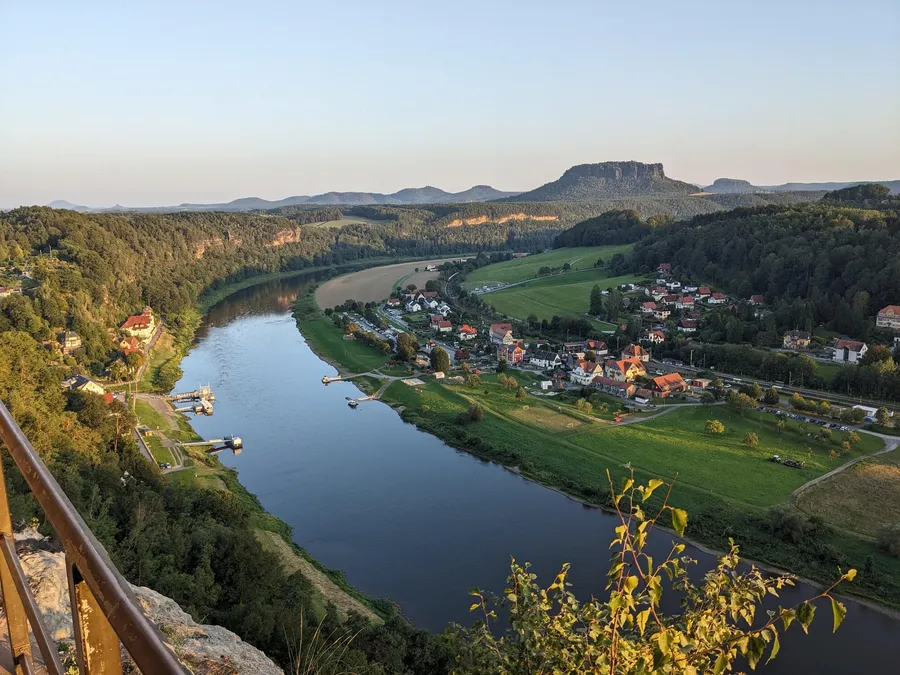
x=346, y=220
x=562, y=295
x=527, y=267
x=860, y=499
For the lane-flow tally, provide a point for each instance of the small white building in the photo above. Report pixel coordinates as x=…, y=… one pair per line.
x=412, y=307
x=849, y=351
x=545, y=384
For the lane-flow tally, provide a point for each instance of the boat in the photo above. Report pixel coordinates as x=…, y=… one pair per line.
x=352, y=403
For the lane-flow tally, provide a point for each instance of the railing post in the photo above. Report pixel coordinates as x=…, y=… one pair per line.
x=97, y=648
x=16, y=621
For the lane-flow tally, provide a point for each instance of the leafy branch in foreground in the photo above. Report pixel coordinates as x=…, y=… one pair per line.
x=550, y=631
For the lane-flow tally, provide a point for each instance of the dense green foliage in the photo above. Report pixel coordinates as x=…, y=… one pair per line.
x=612, y=227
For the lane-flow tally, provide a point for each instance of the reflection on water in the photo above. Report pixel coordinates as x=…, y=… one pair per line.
x=405, y=516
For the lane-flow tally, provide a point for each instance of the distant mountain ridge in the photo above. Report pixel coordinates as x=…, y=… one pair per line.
x=733, y=185
x=406, y=196
x=609, y=180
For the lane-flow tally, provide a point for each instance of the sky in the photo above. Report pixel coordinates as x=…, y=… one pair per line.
x=155, y=103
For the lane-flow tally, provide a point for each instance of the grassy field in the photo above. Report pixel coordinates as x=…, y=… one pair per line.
x=527, y=267
x=148, y=415
x=563, y=295
x=860, y=499
x=160, y=452
x=163, y=352
x=347, y=220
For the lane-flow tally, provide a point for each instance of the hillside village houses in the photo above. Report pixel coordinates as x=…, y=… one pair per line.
x=634, y=351
x=656, y=337
x=83, y=383
x=501, y=334
x=624, y=370
x=512, y=354
x=140, y=326
x=69, y=342
x=546, y=360
x=889, y=318
x=466, y=332
x=666, y=385
x=584, y=372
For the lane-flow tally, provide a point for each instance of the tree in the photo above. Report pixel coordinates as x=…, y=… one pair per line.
x=771, y=396
x=440, y=362
x=550, y=630
x=707, y=398
x=882, y=417
x=718, y=388
x=584, y=405
x=351, y=328
x=740, y=403
x=407, y=346
x=134, y=361
x=824, y=408
x=781, y=425
x=751, y=439
x=857, y=415
x=473, y=381
x=889, y=538
x=596, y=301
x=714, y=427
x=613, y=304
x=853, y=437
x=520, y=393
x=502, y=366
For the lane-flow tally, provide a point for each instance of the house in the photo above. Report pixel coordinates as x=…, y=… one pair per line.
x=430, y=303
x=572, y=347
x=512, y=353
x=439, y=375
x=598, y=347
x=624, y=370
x=637, y=352
x=69, y=342
x=666, y=385
x=688, y=326
x=717, y=299
x=673, y=285
x=699, y=384
x=889, y=318
x=393, y=302
x=614, y=387
x=412, y=307
x=648, y=307
x=140, y=325
x=689, y=289
x=466, y=332
x=584, y=372
x=6, y=292
x=685, y=302
x=656, y=292
x=442, y=325
x=703, y=292
x=546, y=360
x=82, y=383
x=664, y=268
x=129, y=345
x=796, y=339
x=501, y=334
x=849, y=351
x=643, y=396
x=661, y=314
x=443, y=309
x=545, y=384
x=757, y=300
x=519, y=255
x=427, y=295
x=669, y=299
x=656, y=337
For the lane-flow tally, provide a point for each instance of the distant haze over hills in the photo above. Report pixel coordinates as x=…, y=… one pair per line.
x=581, y=183
x=422, y=195
x=732, y=185
x=609, y=180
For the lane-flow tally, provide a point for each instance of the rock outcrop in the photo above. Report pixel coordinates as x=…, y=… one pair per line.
x=609, y=180
x=206, y=650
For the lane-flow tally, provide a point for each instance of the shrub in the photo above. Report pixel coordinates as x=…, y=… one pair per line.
x=714, y=427
x=751, y=439
x=889, y=538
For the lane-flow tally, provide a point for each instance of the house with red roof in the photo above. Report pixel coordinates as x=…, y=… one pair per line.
x=757, y=300
x=849, y=351
x=614, y=387
x=501, y=334
x=635, y=351
x=511, y=353
x=466, y=332
x=717, y=299
x=703, y=292
x=624, y=370
x=685, y=302
x=584, y=372
x=140, y=325
x=666, y=385
x=656, y=337
x=889, y=318
x=688, y=326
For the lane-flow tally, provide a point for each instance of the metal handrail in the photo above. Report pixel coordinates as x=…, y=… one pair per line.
x=104, y=609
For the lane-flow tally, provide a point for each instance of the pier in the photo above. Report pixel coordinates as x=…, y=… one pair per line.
x=233, y=443
x=204, y=393
x=326, y=379
x=202, y=407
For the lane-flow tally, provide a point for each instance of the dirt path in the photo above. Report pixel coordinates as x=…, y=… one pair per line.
x=330, y=591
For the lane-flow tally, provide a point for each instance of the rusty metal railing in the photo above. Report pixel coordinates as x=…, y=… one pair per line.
x=104, y=610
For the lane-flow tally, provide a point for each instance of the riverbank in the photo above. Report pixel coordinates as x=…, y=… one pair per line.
x=558, y=461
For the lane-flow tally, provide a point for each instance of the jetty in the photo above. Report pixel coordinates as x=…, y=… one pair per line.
x=201, y=407
x=233, y=443
x=204, y=393
x=326, y=379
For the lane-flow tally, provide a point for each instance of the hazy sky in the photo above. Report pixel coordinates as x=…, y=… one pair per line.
x=165, y=102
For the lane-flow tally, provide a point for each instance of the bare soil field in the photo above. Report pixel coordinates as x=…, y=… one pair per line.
x=374, y=283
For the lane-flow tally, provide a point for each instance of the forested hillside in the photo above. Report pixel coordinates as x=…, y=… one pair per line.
x=815, y=264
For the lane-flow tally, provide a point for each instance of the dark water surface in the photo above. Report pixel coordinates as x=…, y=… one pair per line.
x=409, y=518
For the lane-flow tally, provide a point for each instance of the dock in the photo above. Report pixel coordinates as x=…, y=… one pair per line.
x=201, y=407
x=233, y=443
x=204, y=393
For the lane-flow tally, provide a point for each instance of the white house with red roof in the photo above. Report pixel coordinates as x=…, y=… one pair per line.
x=501, y=334
x=703, y=292
x=466, y=332
x=685, y=302
x=140, y=325
x=717, y=299
x=584, y=372
x=849, y=351
x=656, y=337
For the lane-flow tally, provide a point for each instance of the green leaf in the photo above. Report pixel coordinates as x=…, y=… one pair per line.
x=788, y=616
x=755, y=651
x=776, y=646
x=631, y=583
x=840, y=611
x=805, y=613
x=721, y=664
x=642, y=620
x=679, y=521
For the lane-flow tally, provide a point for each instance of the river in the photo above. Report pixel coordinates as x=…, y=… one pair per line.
x=404, y=515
